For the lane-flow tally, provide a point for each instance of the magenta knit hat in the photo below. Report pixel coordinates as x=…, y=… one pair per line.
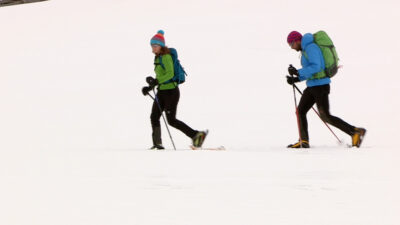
x=294, y=36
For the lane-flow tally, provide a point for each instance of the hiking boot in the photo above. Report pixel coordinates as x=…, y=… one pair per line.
x=358, y=136
x=198, y=139
x=157, y=147
x=300, y=144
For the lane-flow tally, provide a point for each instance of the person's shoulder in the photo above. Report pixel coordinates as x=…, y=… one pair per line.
x=168, y=55
x=308, y=37
x=312, y=47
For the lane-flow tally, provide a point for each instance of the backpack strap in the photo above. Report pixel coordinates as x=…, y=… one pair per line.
x=162, y=65
x=159, y=62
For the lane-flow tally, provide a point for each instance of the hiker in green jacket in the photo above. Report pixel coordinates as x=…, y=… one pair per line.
x=168, y=94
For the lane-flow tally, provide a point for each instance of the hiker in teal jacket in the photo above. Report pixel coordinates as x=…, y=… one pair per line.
x=168, y=94
x=317, y=91
x=312, y=62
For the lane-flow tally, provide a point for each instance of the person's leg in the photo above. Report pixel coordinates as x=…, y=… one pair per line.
x=171, y=104
x=306, y=102
x=155, y=120
x=322, y=99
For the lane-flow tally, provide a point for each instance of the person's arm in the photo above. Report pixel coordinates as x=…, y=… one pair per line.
x=314, y=66
x=168, y=73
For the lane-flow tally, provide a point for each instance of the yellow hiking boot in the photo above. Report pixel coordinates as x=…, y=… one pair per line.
x=358, y=136
x=300, y=144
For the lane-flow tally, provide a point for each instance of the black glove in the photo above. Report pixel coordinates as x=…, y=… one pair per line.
x=146, y=90
x=292, y=70
x=151, y=81
x=292, y=80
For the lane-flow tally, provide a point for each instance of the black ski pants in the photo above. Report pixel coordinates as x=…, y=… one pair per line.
x=319, y=95
x=168, y=102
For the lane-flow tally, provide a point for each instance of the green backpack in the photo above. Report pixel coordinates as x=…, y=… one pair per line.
x=322, y=39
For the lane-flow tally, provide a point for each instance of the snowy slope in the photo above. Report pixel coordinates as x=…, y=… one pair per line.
x=74, y=125
x=267, y=186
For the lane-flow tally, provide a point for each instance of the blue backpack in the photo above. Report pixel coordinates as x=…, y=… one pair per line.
x=179, y=72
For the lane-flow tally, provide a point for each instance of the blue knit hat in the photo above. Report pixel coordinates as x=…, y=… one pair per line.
x=158, y=39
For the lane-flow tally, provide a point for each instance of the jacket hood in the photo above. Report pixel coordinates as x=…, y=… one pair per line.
x=306, y=40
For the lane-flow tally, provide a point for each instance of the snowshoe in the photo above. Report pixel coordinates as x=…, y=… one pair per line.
x=157, y=147
x=199, y=138
x=300, y=144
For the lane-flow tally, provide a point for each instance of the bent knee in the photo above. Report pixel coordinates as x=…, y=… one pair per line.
x=172, y=122
x=324, y=116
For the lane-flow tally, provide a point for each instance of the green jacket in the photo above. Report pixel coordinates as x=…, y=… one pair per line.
x=164, y=75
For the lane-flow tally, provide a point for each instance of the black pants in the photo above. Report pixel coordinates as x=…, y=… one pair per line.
x=168, y=100
x=319, y=95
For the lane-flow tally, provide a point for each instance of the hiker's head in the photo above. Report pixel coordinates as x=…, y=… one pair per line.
x=158, y=39
x=294, y=40
x=157, y=43
x=156, y=49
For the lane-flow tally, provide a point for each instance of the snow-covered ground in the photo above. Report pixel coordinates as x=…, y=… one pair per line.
x=264, y=186
x=74, y=126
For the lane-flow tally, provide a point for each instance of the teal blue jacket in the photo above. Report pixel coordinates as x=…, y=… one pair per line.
x=312, y=62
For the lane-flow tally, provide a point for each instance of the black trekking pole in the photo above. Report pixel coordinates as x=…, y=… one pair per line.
x=294, y=86
x=297, y=113
x=162, y=114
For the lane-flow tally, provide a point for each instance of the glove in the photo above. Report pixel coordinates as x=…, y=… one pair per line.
x=292, y=80
x=292, y=70
x=151, y=81
x=146, y=90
